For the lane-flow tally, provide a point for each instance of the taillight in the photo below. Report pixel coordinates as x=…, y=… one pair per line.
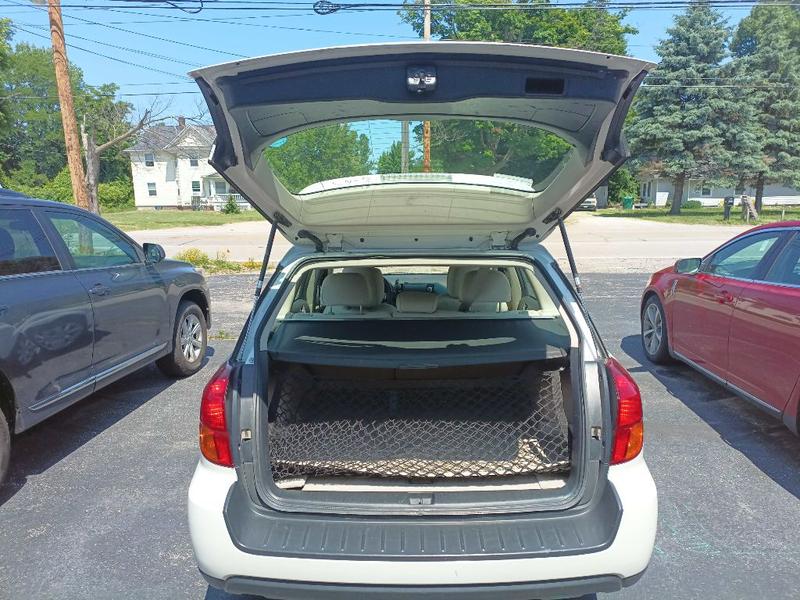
x=215, y=443
x=629, y=430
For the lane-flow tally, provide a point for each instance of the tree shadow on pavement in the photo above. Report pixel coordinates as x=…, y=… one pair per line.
x=763, y=439
x=37, y=449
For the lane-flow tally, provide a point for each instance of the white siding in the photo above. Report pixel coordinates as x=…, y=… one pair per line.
x=162, y=173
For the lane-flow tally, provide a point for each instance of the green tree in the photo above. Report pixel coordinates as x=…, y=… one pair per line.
x=766, y=50
x=5, y=58
x=495, y=147
x=34, y=131
x=590, y=28
x=490, y=148
x=679, y=128
x=319, y=154
x=622, y=183
x=391, y=160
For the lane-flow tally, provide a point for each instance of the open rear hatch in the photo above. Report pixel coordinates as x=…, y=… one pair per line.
x=581, y=97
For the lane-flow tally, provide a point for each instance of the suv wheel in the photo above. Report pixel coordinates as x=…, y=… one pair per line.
x=654, y=331
x=188, y=343
x=5, y=446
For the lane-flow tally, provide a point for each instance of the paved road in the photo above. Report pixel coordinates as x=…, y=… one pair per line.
x=600, y=244
x=95, y=507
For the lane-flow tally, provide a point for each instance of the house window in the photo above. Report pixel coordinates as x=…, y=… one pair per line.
x=195, y=188
x=149, y=160
x=151, y=189
x=705, y=191
x=649, y=189
x=220, y=188
x=193, y=160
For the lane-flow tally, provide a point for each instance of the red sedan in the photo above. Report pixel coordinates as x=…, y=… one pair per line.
x=734, y=316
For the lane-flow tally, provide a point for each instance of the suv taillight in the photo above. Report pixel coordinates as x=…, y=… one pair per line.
x=629, y=429
x=215, y=442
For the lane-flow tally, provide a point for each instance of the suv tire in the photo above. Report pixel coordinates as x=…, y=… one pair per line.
x=189, y=340
x=5, y=446
x=654, y=331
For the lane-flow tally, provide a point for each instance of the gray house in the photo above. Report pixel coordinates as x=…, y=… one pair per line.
x=658, y=191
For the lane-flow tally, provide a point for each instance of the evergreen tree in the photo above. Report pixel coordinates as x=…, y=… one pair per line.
x=391, y=160
x=679, y=128
x=766, y=47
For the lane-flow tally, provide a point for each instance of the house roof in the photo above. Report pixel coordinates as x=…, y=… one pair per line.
x=160, y=137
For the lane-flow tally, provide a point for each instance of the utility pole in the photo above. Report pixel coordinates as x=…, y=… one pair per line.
x=68, y=120
x=404, y=147
x=426, y=125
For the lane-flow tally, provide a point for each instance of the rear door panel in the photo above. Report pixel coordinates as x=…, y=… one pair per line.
x=46, y=320
x=765, y=333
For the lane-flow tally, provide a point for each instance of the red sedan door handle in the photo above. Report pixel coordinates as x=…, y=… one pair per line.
x=725, y=297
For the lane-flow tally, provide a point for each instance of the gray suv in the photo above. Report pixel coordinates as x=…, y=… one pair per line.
x=82, y=305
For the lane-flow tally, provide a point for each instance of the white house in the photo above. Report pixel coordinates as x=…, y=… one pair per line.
x=169, y=169
x=658, y=191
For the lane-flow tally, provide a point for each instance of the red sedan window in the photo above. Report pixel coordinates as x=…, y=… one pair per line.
x=741, y=258
x=787, y=268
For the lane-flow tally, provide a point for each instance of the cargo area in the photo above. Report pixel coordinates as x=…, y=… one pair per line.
x=455, y=423
x=418, y=379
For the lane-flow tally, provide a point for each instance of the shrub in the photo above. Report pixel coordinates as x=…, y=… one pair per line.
x=231, y=207
x=692, y=204
x=622, y=183
x=195, y=257
x=116, y=194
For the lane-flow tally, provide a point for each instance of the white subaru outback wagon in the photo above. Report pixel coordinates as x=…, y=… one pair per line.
x=419, y=403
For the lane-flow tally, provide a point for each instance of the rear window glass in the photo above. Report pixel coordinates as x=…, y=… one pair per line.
x=493, y=153
x=23, y=245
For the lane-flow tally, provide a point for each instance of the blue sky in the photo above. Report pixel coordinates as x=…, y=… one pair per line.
x=247, y=33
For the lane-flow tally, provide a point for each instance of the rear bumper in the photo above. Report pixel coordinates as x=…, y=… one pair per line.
x=228, y=566
x=293, y=590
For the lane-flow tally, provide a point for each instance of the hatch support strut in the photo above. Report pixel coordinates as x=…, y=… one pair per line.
x=267, y=252
x=570, y=257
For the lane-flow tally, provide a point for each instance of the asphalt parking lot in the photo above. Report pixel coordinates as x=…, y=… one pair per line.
x=95, y=503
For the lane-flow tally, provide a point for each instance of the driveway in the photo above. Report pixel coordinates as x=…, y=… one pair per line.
x=96, y=503
x=600, y=244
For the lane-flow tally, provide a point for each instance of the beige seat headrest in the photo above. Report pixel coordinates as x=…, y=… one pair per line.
x=347, y=289
x=455, y=279
x=417, y=302
x=485, y=285
x=374, y=279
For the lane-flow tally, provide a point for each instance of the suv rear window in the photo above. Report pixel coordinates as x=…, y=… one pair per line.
x=23, y=245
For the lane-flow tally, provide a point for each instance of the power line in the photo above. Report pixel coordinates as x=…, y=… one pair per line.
x=324, y=7
x=262, y=25
x=95, y=53
x=125, y=48
x=147, y=35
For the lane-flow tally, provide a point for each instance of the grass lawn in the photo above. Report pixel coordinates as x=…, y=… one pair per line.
x=704, y=216
x=131, y=220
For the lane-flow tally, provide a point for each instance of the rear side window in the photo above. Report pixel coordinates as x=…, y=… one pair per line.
x=91, y=244
x=23, y=245
x=786, y=269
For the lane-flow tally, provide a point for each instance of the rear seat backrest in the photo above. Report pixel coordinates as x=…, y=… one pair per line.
x=455, y=284
x=485, y=290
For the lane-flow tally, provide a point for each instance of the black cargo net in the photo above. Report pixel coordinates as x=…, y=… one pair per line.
x=417, y=429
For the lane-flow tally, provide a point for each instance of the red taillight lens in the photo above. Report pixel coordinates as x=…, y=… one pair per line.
x=629, y=430
x=215, y=443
